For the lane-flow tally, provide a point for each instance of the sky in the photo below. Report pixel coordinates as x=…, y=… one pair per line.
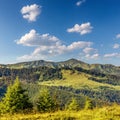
x=58, y=30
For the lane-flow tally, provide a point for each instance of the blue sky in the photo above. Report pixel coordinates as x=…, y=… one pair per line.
x=57, y=30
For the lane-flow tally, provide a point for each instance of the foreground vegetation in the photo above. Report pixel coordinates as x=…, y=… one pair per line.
x=105, y=113
x=15, y=105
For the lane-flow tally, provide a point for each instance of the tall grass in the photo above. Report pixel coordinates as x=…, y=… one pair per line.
x=105, y=113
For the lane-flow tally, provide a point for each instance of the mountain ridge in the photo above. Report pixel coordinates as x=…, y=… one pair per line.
x=43, y=62
x=70, y=63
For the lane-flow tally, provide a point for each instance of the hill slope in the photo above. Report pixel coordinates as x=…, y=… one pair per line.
x=75, y=77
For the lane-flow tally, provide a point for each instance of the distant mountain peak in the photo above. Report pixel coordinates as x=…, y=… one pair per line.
x=72, y=59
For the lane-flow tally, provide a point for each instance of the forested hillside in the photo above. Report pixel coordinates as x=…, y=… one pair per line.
x=74, y=78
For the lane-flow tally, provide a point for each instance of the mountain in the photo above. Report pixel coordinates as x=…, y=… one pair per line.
x=47, y=70
x=71, y=63
x=72, y=77
x=52, y=70
x=33, y=64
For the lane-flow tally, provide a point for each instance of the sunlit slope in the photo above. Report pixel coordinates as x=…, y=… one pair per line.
x=78, y=80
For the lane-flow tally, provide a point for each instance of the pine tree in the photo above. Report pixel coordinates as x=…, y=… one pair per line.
x=15, y=99
x=73, y=105
x=89, y=103
x=45, y=103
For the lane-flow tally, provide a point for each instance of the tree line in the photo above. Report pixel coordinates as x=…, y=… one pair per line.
x=16, y=100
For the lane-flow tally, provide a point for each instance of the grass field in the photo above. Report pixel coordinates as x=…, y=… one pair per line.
x=105, y=113
x=77, y=80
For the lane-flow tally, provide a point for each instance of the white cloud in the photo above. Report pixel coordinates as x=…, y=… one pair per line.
x=35, y=39
x=80, y=2
x=90, y=53
x=118, y=36
x=89, y=50
x=90, y=56
x=116, y=46
x=31, y=12
x=47, y=45
x=94, y=56
x=84, y=28
x=79, y=45
x=112, y=55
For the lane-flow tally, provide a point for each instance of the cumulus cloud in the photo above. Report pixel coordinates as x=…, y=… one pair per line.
x=118, y=36
x=35, y=39
x=89, y=50
x=31, y=12
x=78, y=45
x=47, y=45
x=84, y=28
x=90, y=53
x=80, y=2
x=116, y=46
x=94, y=56
x=112, y=55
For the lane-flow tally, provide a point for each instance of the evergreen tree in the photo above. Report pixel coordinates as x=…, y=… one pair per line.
x=45, y=103
x=73, y=105
x=15, y=99
x=89, y=103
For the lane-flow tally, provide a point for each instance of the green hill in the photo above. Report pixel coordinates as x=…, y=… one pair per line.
x=73, y=77
x=81, y=83
x=76, y=79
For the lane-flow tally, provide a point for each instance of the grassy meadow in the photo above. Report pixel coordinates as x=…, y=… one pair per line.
x=78, y=80
x=105, y=113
